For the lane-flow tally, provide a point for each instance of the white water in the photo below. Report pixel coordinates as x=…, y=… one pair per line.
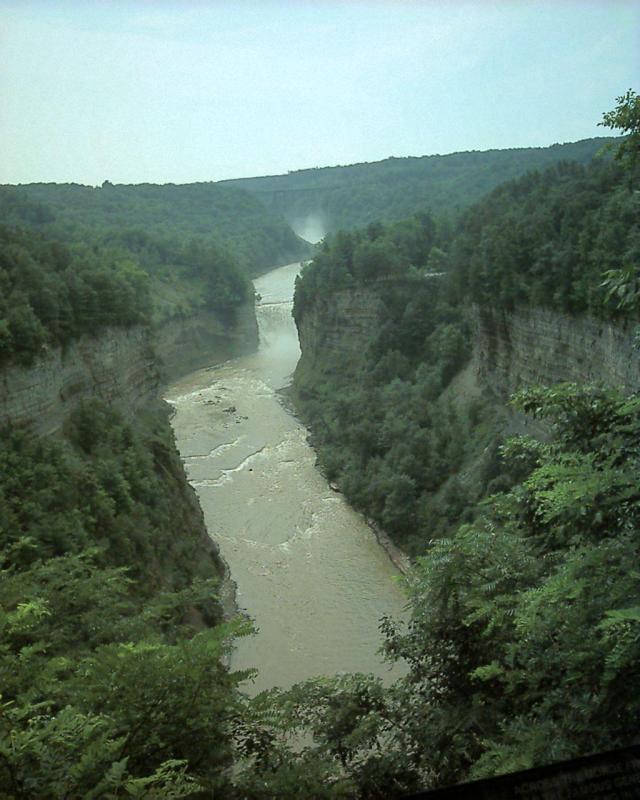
x=308, y=569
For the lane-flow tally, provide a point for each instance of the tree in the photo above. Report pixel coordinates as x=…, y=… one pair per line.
x=625, y=117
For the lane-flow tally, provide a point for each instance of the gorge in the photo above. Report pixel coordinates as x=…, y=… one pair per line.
x=126, y=521
x=307, y=568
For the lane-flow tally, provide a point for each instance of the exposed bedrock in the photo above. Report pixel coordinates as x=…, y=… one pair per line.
x=118, y=367
x=538, y=346
x=189, y=343
x=123, y=367
x=511, y=349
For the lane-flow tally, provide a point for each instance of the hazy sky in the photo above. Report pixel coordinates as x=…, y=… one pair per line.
x=182, y=91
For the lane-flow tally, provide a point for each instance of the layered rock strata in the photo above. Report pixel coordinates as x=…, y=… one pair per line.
x=340, y=330
x=118, y=367
x=538, y=346
x=123, y=367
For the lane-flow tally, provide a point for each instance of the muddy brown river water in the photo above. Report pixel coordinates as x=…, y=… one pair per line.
x=308, y=569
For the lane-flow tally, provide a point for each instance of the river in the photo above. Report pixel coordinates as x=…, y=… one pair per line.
x=308, y=569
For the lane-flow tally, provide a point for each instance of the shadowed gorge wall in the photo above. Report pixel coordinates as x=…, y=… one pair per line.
x=511, y=349
x=198, y=340
x=118, y=367
x=339, y=331
x=123, y=367
x=539, y=346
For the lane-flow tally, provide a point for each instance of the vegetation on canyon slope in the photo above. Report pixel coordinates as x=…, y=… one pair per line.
x=74, y=259
x=383, y=431
x=389, y=429
x=524, y=635
x=230, y=218
x=524, y=638
x=525, y=630
x=112, y=649
x=51, y=294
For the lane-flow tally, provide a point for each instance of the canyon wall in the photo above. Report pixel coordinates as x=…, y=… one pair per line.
x=118, y=367
x=123, y=367
x=338, y=331
x=511, y=349
x=184, y=344
x=538, y=346
x=126, y=369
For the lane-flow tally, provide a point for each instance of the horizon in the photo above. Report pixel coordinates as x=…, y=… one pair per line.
x=312, y=169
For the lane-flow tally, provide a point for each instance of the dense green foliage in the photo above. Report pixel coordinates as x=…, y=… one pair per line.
x=108, y=689
x=388, y=432
x=231, y=219
x=546, y=239
x=625, y=117
x=73, y=258
x=347, y=197
x=50, y=293
x=384, y=430
x=523, y=646
x=108, y=485
x=185, y=275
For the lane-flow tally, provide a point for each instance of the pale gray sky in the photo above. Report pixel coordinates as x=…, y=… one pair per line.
x=160, y=91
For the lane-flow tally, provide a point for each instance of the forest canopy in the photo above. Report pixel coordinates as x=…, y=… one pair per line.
x=51, y=293
x=112, y=652
x=348, y=197
x=230, y=218
x=76, y=258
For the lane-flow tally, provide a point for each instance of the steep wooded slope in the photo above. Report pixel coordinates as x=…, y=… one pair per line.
x=523, y=640
x=113, y=649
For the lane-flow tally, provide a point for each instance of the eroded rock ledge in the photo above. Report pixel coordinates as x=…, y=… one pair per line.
x=189, y=343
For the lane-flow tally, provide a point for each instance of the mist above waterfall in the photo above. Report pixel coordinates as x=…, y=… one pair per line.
x=312, y=228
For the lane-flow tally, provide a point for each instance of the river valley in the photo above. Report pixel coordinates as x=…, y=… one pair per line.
x=308, y=569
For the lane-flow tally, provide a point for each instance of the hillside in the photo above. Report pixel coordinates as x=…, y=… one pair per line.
x=524, y=597
x=346, y=197
x=227, y=217
x=168, y=242
x=111, y=590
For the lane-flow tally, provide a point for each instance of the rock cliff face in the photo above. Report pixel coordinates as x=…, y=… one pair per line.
x=122, y=367
x=538, y=346
x=510, y=349
x=117, y=367
x=188, y=343
x=339, y=331
x=125, y=368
